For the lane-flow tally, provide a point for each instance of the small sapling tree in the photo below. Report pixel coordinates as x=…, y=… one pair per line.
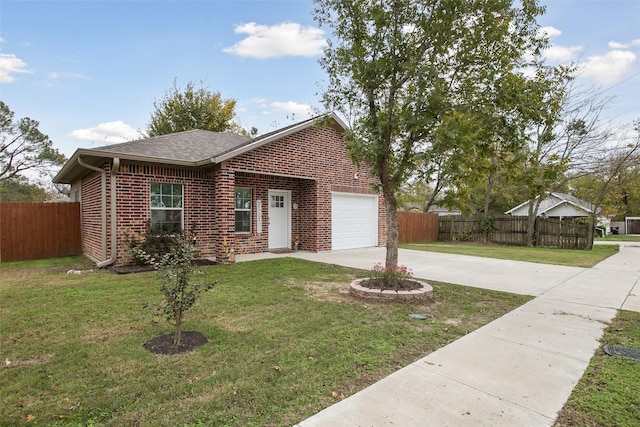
x=175, y=269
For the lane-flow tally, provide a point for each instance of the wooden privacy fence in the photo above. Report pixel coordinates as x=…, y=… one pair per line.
x=512, y=230
x=39, y=230
x=416, y=227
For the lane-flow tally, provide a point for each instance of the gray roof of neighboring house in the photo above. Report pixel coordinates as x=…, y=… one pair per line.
x=574, y=200
x=554, y=199
x=193, y=148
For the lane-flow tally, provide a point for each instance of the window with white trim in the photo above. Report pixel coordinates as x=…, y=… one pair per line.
x=166, y=207
x=243, y=210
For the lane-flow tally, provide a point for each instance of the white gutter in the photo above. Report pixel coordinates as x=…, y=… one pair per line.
x=114, y=230
x=104, y=203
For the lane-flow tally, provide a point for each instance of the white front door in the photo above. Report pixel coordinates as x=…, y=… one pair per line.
x=279, y=219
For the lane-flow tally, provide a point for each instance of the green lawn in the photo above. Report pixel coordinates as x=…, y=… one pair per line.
x=569, y=257
x=609, y=392
x=285, y=341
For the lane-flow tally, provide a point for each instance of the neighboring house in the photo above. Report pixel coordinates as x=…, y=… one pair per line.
x=561, y=206
x=254, y=194
x=443, y=210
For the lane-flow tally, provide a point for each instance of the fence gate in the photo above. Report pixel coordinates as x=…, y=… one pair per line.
x=415, y=227
x=39, y=230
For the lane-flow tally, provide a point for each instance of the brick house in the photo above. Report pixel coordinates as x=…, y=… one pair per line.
x=256, y=194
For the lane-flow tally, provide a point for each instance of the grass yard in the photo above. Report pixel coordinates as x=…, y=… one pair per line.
x=609, y=392
x=285, y=341
x=569, y=257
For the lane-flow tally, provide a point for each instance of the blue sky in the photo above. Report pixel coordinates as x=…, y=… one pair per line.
x=89, y=71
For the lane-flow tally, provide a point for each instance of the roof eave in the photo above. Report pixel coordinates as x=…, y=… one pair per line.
x=65, y=176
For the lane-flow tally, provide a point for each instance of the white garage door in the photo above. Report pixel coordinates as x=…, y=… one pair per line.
x=354, y=221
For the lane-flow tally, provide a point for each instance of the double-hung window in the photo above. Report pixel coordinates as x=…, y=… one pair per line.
x=243, y=210
x=167, y=207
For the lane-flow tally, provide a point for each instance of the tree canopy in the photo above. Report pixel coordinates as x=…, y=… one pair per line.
x=399, y=69
x=192, y=108
x=19, y=189
x=23, y=147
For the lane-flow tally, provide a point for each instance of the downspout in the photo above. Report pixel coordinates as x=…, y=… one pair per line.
x=104, y=203
x=114, y=229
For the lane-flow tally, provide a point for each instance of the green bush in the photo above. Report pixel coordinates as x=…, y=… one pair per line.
x=465, y=235
x=153, y=243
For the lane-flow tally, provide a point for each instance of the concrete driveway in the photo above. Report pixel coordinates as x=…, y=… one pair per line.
x=518, y=277
x=519, y=369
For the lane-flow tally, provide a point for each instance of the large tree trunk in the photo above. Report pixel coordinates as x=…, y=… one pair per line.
x=531, y=222
x=532, y=217
x=592, y=225
x=392, y=229
x=487, y=201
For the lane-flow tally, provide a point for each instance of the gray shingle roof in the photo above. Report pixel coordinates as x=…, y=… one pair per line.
x=188, y=146
x=194, y=148
x=573, y=199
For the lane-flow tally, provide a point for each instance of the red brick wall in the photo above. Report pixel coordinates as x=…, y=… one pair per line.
x=133, y=194
x=314, y=161
x=91, y=216
x=302, y=220
x=318, y=153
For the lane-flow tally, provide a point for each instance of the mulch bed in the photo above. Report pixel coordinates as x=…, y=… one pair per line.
x=128, y=269
x=164, y=343
x=404, y=285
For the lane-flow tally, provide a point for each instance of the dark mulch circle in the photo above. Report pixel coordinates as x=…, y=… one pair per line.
x=404, y=285
x=164, y=343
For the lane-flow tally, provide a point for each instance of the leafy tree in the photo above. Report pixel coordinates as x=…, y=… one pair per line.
x=175, y=269
x=626, y=193
x=614, y=168
x=564, y=140
x=23, y=147
x=192, y=108
x=19, y=189
x=400, y=67
x=415, y=195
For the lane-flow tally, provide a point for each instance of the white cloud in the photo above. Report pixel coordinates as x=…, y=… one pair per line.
x=54, y=77
x=549, y=31
x=616, y=45
x=556, y=53
x=110, y=133
x=609, y=68
x=9, y=65
x=80, y=76
x=285, y=39
x=561, y=54
x=300, y=110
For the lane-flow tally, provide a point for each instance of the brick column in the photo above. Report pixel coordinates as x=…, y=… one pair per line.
x=224, y=210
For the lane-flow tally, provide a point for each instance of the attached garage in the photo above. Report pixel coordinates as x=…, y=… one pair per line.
x=354, y=221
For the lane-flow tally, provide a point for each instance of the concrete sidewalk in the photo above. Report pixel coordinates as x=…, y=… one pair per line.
x=515, y=371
